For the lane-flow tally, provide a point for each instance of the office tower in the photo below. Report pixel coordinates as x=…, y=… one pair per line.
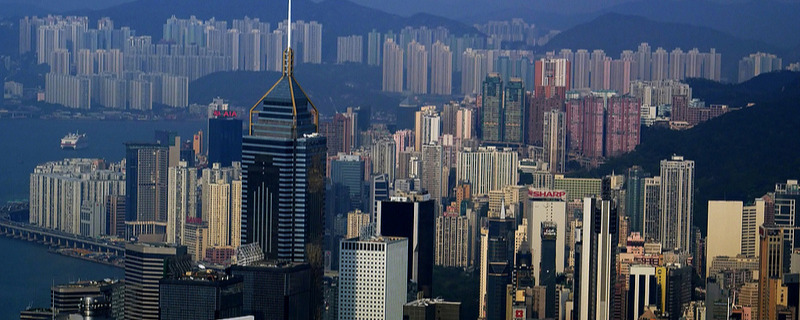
x=725, y=230
x=224, y=140
x=181, y=200
x=554, y=140
x=347, y=173
x=659, y=69
x=550, y=207
x=384, y=158
x=431, y=178
x=677, y=64
x=774, y=262
x=547, y=265
x=552, y=78
x=634, y=198
x=146, y=182
x=492, y=108
x=487, y=168
x=597, y=255
x=222, y=198
x=411, y=215
x=677, y=200
x=378, y=192
x=356, y=222
x=577, y=188
x=275, y=290
x=514, y=105
x=432, y=309
x=283, y=169
x=392, y=67
x=145, y=265
x=374, y=48
x=452, y=240
x=68, y=298
x=416, y=68
x=643, y=290
x=441, y=69
x=200, y=294
x=115, y=211
x=497, y=266
x=349, y=49
x=678, y=290
x=622, y=125
x=383, y=261
x=652, y=209
x=784, y=203
x=427, y=127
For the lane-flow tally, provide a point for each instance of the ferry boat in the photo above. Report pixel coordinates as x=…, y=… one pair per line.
x=74, y=141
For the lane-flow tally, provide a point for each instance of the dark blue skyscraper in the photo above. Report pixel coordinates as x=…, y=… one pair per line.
x=146, y=182
x=347, y=173
x=283, y=177
x=224, y=140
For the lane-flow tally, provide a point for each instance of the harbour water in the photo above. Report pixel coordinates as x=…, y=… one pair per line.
x=28, y=269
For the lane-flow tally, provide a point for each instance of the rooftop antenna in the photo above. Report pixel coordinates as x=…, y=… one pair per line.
x=289, y=26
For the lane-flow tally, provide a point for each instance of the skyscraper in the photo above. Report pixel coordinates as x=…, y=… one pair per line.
x=431, y=178
x=384, y=158
x=374, y=48
x=146, y=182
x=547, y=206
x=652, y=209
x=441, y=69
x=347, y=174
x=596, y=271
x=275, y=290
x=554, y=140
x=416, y=68
x=634, y=198
x=411, y=215
x=383, y=261
x=498, y=265
x=201, y=294
x=224, y=140
x=492, y=108
x=181, y=200
x=487, y=168
x=774, y=262
x=552, y=78
x=392, y=67
x=677, y=201
x=283, y=170
x=145, y=265
x=513, y=124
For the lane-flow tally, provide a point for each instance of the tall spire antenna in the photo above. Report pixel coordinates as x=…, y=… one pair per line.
x=289, y=26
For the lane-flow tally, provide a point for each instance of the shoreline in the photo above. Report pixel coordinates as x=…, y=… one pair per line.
x=58, y=251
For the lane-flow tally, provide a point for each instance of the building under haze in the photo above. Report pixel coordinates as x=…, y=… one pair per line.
x=283, y=171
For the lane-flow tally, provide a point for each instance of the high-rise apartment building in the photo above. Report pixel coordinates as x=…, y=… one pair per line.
x=416, y=68
x=651, y=211
x=427, y=127
x=374, y=48
x=441, y=69
x=487, y=168
x=452, y=240
x=182, y=200
x=431, y=178
x=552, y=78
x=392, y=67
x=356, y=222
x=384, y=158
x=382, y=260
x=283, y=170
x=677, y=202
x=349, y=49
x=554, y=140
x=222, y=199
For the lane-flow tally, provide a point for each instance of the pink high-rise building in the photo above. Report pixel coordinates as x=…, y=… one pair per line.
x=622, y=125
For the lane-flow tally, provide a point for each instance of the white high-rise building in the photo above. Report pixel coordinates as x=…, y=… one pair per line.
x=182, y=196
x=384, y=159
x=59, y=189
x=547, y=206
x=441, y=69
x=487, y=168
x=349, y=49
x=677, y=199
x=372, y=278
x=392, y=67
x=416, y=68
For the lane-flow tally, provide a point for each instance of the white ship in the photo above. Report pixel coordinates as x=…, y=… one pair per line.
x=74, y=141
